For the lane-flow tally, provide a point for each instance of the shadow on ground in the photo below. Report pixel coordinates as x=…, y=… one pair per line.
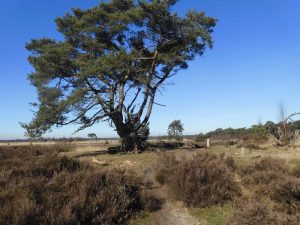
x=91, y=154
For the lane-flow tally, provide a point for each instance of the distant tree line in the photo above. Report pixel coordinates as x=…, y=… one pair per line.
x=257, y=132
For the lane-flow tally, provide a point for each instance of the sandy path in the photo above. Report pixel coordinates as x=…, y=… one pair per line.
x=174, y=213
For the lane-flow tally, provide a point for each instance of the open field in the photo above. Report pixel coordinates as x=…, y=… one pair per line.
x=145, y=166
x=77, y=144
x=86, y=151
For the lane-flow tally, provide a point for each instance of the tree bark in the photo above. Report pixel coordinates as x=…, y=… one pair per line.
x=129, y=143
x=126, y=133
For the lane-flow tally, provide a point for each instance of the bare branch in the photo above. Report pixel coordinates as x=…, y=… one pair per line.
x=290, y=116
x=134, y=99
x=148, y=85
x=80, y=115
x=159, y=104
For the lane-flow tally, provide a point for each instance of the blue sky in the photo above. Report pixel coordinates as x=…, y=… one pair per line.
x=255, y=63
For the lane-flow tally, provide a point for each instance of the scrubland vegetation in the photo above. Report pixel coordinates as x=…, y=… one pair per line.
x=42, y=185
x=38, y=186
x=264, y=191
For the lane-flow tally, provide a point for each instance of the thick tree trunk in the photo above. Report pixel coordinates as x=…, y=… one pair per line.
x=129, y=143
x=132, y=135
x=128, y=138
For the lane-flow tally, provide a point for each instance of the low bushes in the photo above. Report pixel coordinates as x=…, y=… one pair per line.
x=166, y=167
x=260, y=212
x=231, y=143
x=296, y=171
x=86, y=197
x=275, y=195
x=26, y=152
x=40, y=187
x=230, y=163
x=271, y=192
x=251, y=213
x=201, y=181
x=263, y=172
x=266, y=164
x=150, y=202
x=287, y=195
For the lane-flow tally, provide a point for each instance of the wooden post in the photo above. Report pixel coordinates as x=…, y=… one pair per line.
x=207, y=143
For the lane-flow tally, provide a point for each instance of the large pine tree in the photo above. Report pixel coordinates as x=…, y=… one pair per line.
x=113, y=60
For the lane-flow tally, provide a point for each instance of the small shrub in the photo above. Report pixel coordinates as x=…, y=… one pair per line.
x=276, y=193
x=261, y=212
x=262, y=178
x=296, y=171
x=263, y=171
x=263, y=175
x=166, y=165
x=231, y=143
x=151, y=203
x=230, y=163
x=255, y=212
x=53, y=164
x=287, y=194
x=162, y=175
x=203, y=181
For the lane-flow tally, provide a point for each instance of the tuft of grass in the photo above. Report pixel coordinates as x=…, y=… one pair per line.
x=215, y=215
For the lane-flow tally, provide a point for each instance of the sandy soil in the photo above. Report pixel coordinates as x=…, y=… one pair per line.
x=174, y=213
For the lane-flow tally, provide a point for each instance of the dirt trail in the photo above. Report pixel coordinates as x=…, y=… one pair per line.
x=174, y=213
